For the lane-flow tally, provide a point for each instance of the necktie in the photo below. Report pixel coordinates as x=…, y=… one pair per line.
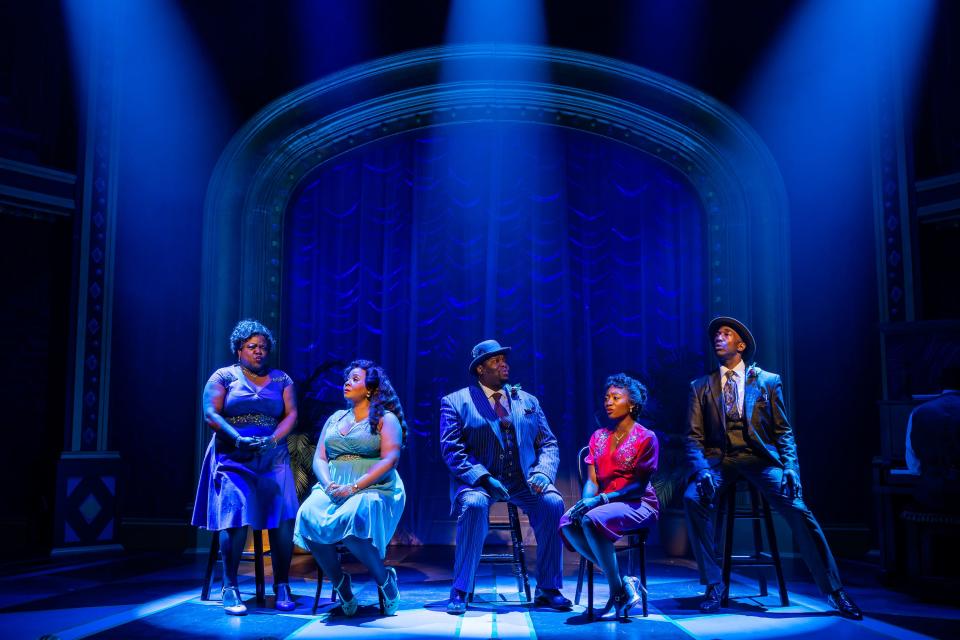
x=498, y=408
x=731, y=404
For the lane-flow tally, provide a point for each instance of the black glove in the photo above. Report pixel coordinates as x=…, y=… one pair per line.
x=248, y=443
x=790, y=484
x=583, y=506
x=266, y=443
x=495, y=488
x=706, y=488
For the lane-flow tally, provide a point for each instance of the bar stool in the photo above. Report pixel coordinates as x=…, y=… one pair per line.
x=516, y=558
x=756, y=511
x=215, y=558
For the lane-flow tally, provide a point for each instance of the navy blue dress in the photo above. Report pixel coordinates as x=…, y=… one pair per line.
x=240, y=488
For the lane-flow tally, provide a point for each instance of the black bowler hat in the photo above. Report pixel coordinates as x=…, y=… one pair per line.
x=742, y=331
x=484, y=350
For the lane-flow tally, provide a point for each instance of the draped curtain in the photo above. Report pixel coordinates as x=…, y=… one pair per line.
x=585, y=256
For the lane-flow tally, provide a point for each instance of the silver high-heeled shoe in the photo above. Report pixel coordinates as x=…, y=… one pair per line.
x=390, y=605
x=634, y=589
x=232, y=603
x=349, y=607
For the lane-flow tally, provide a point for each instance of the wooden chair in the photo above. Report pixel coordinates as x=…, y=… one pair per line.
x=516, y=558
x=342, y=551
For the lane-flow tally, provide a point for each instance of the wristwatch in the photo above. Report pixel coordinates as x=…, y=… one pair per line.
x=356, y=489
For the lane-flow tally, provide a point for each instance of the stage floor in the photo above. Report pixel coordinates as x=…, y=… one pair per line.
x=155, y=595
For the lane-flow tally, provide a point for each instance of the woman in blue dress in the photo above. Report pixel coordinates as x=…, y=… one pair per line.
x=359, y=496
x=245, y=480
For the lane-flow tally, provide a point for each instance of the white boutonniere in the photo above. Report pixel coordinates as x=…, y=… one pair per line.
x=514, y=391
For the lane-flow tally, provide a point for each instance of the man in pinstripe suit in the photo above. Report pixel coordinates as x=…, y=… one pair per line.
x=498, y=446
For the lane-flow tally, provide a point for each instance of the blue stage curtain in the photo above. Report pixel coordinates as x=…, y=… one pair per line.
x=584, y=255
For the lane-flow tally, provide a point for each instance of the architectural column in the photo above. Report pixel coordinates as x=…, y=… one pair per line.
x=88, y=474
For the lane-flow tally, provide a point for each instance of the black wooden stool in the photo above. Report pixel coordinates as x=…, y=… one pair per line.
x=516, y=558
x=636, y=563
x=215, y=558
x=758, y=509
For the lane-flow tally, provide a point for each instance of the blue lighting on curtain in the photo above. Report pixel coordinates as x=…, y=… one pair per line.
x=588, y=259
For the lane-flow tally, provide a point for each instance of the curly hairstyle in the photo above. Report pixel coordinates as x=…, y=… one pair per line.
x=245, y=330
x=635, y=389
x=382, y=396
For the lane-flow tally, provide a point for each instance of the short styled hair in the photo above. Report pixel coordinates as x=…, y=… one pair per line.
x=635, y=389
x=245, y=330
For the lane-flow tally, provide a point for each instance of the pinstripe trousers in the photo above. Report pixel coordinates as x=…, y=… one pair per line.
x=543, y=510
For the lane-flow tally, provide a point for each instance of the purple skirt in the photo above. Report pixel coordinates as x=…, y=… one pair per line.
x=614, y=520
x=240, y=488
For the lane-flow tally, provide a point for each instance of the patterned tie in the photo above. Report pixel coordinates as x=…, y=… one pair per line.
x=498, y=408
x=731, y=403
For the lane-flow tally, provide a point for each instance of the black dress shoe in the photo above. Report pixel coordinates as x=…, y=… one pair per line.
x=713, y=598
x=458, y=602
x=840, y=601
x=551, y=598
x=284, y=600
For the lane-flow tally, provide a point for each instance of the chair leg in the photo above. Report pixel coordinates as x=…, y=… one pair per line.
x=755, y=513
x=642, y=552
x=589, y=590
x=519, y=555
x=258, y=568
x=775, y=552
x=316, y=598
x=212, y=560
x=580, y=570
x=731, y=504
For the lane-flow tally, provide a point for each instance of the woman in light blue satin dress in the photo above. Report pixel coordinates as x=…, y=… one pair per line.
x=359, y=496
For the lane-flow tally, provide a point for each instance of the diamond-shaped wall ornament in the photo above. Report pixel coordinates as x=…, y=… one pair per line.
x=91, y=362
x=95, y=291
x=97, y=255
x=98, y=219
x=894, y=258
x=89, y=398
x=93, y=326
x=89, y=508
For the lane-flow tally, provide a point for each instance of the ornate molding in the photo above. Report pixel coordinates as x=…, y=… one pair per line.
x=91, y=376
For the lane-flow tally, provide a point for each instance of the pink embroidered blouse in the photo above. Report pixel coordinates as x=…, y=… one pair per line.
x=634, y=460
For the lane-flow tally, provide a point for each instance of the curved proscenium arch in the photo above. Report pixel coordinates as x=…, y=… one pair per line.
x=719, y=153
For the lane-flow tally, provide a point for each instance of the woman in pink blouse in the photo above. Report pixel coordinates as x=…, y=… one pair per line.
x=618, y=498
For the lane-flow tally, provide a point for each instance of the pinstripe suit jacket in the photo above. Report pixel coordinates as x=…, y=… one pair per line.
x=471, y=441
